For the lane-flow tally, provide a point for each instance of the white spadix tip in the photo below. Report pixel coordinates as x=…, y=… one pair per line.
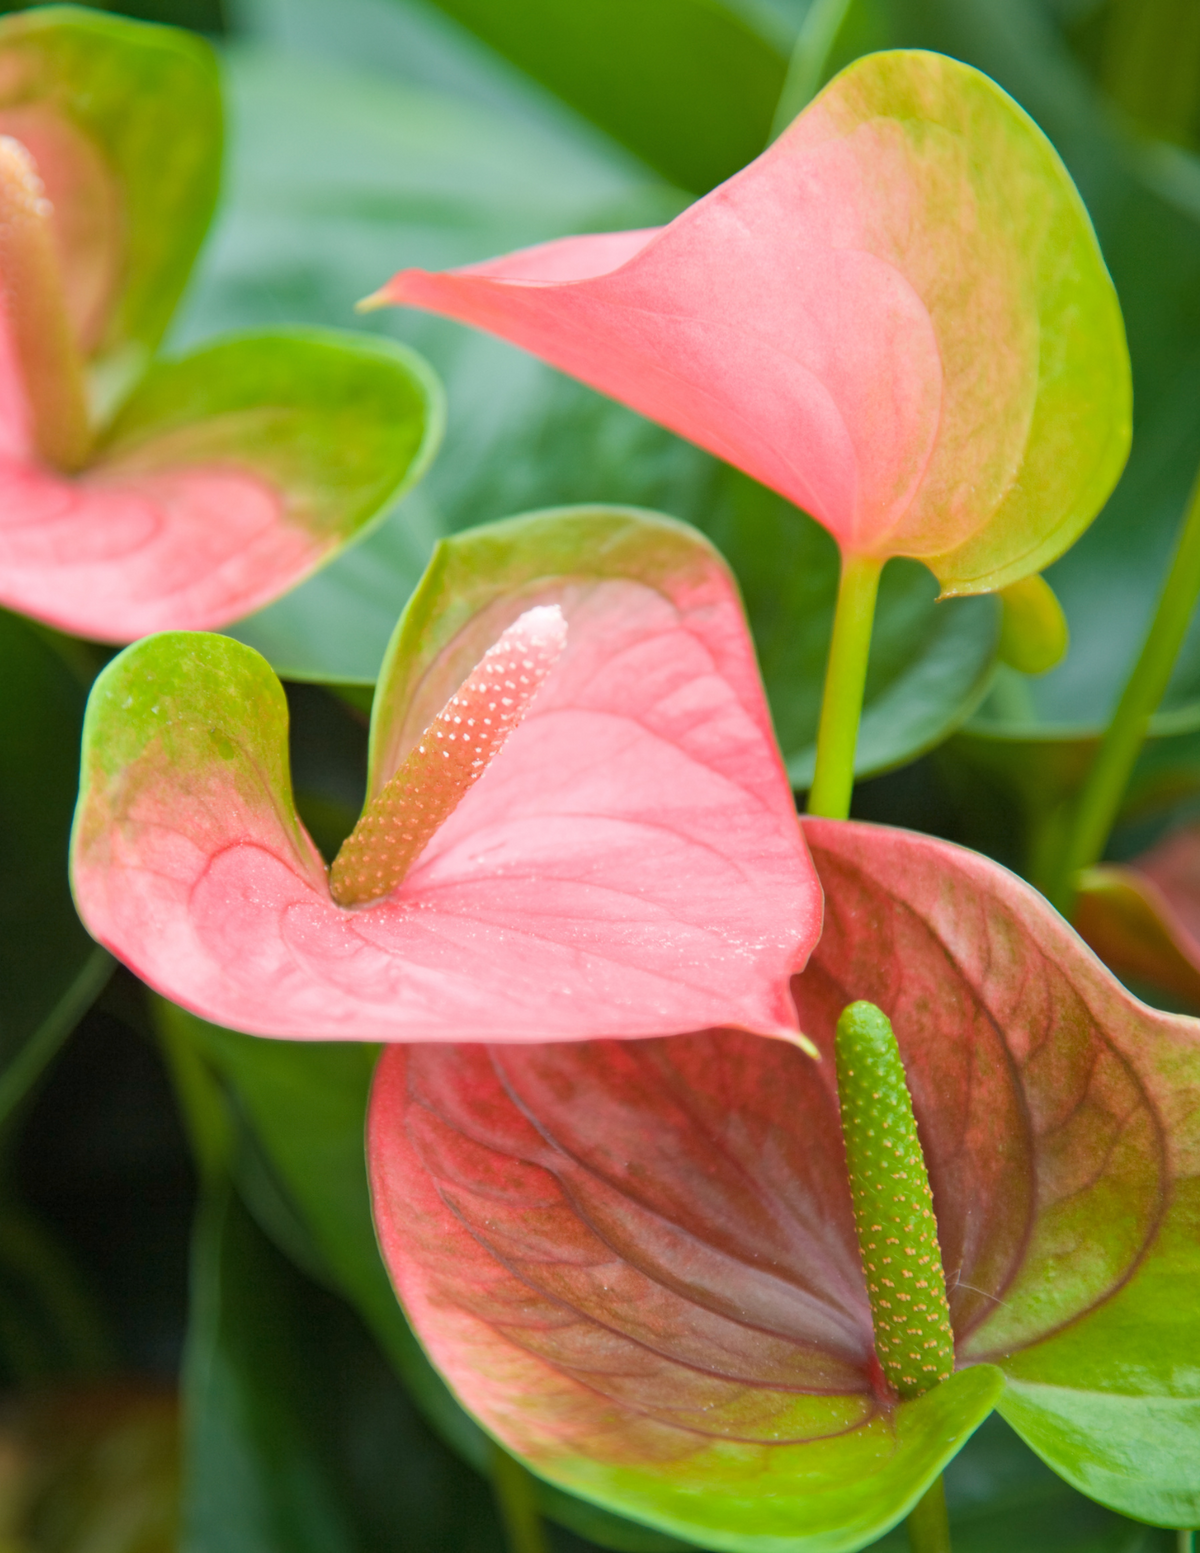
x=449, y=758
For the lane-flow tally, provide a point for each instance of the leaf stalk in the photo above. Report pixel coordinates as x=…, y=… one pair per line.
x=516, y=1500
x=1095, y=810
x=845, y=683
x=929, y=1524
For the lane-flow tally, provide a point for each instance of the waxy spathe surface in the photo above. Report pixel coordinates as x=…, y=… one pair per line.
x=898, y=317
x=637, y=1264
x=630, y=861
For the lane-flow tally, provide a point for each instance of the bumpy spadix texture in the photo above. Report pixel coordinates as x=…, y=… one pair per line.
x=138, y=497
x=449, y=758
x=638, y=1265
x=893, y=1205
x=898, y=317
x=34, y=313
x=630, y=861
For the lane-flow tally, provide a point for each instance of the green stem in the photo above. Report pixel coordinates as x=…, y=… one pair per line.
x=1095, y=810
x=1185, y=1541
x=928, y=1523
x=516, y=1499
x=845, y=680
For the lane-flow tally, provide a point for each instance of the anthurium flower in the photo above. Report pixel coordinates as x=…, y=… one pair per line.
x=134, y=495
x=625, y=858
x=637, y=1263
x=898, y=317
x=1143, y=917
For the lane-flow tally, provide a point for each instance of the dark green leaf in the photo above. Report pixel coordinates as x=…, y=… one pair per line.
x=690, y=85
x=298, y=1438
x=50, y=971
x=306, y=1103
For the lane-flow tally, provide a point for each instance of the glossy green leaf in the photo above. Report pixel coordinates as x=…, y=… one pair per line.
x=124, y=121
x=307, y=1106
x=690, y=85
x=50, y=971
x=331, y=172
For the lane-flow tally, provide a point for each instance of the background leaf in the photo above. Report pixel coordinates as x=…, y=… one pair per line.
x=689, y=85
x=50, y=970
x=306, y=1107
x=298, y=1439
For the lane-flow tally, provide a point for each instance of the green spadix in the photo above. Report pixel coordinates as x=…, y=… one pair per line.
x=893, y=1205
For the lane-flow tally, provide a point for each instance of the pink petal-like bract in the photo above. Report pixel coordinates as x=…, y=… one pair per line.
x=636, y=1263
x=117, y=558
x=630, y=862
x=153, y=537
x=897, y=317
x=820, y=376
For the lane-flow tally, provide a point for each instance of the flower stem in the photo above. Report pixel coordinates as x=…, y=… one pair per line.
x=928, y=1523
x=845, y=680
x=1185, y=1541
x=1096, y=808
x=517, y=1503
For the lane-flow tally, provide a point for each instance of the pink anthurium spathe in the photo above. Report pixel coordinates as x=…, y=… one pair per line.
x=898, y=317
x=1143, y=917
x=625, y=858
x=138, y=496
x=637, y=1264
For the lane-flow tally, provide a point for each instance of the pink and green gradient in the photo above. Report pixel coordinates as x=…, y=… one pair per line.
x=637, y=1264
x=139, y=496
x=898, y=317
x=630, y=861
